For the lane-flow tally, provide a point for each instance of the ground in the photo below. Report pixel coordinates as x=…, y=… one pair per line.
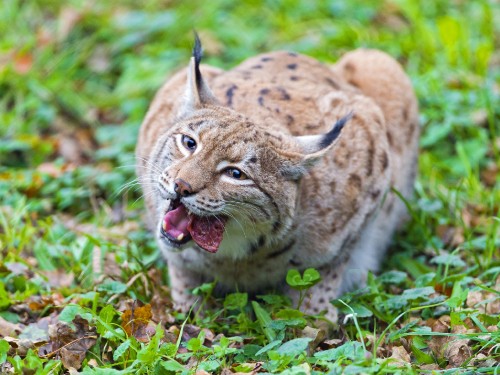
x=81, y=285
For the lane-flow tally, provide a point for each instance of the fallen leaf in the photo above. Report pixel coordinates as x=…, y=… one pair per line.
x=489, y=175
x=457, y=352
x=437, y=343
x=480, y=117
x=68, y=344
x=9, y=329
x=137, y=322
x=59, y=278
x=400, y=356
x=100, y=60
x=37, y=303
x=317, y=336
x=68, y=18
x=22, y=62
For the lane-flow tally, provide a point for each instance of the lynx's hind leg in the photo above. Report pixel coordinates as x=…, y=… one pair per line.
x=382, y=78
x=379, y=76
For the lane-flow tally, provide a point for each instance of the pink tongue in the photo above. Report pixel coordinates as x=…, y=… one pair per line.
x=206, y=231
x=176, y=222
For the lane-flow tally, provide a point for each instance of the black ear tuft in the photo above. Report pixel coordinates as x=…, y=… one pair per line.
x=197, y=54
x=332, y=135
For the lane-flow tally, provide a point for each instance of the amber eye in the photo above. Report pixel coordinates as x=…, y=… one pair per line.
x=235, y=173
x=189, y=143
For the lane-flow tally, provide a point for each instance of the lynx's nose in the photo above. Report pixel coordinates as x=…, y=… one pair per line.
x=182, y=187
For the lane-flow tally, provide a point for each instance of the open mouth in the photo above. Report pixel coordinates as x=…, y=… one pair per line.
x=180, y=226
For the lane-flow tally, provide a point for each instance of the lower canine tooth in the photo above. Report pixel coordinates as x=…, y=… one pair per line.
x=180, y=237
x=164, y=225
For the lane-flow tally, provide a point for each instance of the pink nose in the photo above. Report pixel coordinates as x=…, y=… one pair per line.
x=182, y=187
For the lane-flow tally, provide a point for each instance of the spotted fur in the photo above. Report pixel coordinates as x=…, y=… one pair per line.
x=318, y=195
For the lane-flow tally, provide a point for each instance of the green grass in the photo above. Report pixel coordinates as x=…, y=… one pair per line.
x=76, y=79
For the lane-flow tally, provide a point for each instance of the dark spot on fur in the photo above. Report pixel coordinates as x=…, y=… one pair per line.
x=411, y=129
x=276, y=226
x=292, y=66
x=264, y=91
x=321, y=300
x=369, y=161
x=258, y=66
x=277, y=110
x=375, y=194
x=289, y=120
x=332, y=83
x=333, y=186
x=281, y=251
x=294, y=263
x=294, y=78
x=385, y=160
x=311, y=126
x=284, y=94
x=405, y=113
x=350, y=67
x=196, y=124
x=260, y=100
x=293, y=54
x=229, y=95
x=389, y=206
x=258, y=245
x=355, y=181
x=266, y=58
x=253, y=159
x=389, y=137
x=353, y=82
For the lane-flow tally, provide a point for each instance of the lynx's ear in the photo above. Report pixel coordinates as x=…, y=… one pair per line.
x=312, y=148
x=198, y=94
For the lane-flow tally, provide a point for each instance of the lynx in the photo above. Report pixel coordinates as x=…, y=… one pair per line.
x=282, y=162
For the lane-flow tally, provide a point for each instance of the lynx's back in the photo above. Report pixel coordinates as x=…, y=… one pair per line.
x=279, y=163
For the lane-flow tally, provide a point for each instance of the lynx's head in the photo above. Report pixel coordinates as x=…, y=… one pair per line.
x=227, y=184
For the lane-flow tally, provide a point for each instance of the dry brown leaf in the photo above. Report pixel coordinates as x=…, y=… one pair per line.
x=473, y=298
x=59, y=278
x=438, y=343
x=100, y=60
x=490, y=174
x=484, y=301
x=190, y=331
x=317, y=336
x=8, y=328
x=480, y=117
x=22, y=62
x=70, y=345
x=457, y=352
x=451, y=236
x=37, y=303
x=137, y=322
x=332, y=343
x=400, y=356
x=68, y=18
x=55, y=169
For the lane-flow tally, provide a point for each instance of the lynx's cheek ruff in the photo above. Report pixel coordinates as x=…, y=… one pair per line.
x=180, y=226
